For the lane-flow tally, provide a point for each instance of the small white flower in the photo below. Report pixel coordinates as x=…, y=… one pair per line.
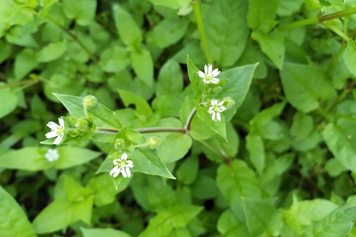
x=122, y=165
x=209, y=76
x=51, y=155
x=215, y=109
x=56, y=131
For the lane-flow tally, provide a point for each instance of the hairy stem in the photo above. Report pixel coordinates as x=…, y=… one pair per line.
x=199, y=20
x=190, y=119
x=145, y=130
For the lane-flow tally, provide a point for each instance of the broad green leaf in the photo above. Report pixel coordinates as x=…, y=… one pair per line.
x=141, y=104
x=24, y=63
x=167, y=32
x=272, y=45
x=301, y=127
x=188, y=170
x=148, y=162
x=304, y=92
x=251, y=55
x=57, y=215
x=172, y=217
x=204, y=187
x=82, y=11
x=174, y=147
x=229, y=226
x=27, y=158
x=73, y=156
x=143, y=66
x=52, y=52
x=340, y=139
x=14, y=221
x=218, y=126
x=173, y=4
x=349, y=56
x=236, y=87
x=103, y=117
x=107, y=232
x=160, y=195
x=288, y=7
x=114, y=59
x=102, y=186
x=130, y=33
x=256, y=149
x=221, y=22
x=5, y=49
x=170, y=79
x=262, y=217
x=196, y=82
x=8, y=100
x=337, y=224
x=261, y=15
x=237, y=181
x=277, y=167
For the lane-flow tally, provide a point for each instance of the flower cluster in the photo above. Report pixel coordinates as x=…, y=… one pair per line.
x=209, y=77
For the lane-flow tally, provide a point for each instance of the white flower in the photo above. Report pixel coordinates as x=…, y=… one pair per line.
x=56, y=131
x=209, y=76
x=51, y=155
x=122, y=165
x=215, y=109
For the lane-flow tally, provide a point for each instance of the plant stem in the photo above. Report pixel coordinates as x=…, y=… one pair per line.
x=320, y=19
x=190, y=119
x=74, y=37
x=198, y=18
x=145, y=130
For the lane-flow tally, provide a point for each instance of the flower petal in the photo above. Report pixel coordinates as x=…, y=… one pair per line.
x=52, y=125
x=58, y=140
x=128, y=172
x=61, y=122
x=215, y=73
x=205, y=69
x=51, y=134
x=214, y=80
x=218, y=116
x=213, y=116
x=210, y=69
x=201, y=74
x=214, y=102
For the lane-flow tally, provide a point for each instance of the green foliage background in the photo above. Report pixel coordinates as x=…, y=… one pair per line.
x=282, y=162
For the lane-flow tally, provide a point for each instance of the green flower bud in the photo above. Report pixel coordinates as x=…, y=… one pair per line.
x=153, y=142
x=119, y=144
x=228, y=102
x=81, y=124
x=73, y=132
x=89, y=101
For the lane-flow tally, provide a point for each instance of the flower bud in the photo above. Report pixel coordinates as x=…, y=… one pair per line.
x=119, y=144
x=81, y=124
x=153, y=142
x=229, y=102
x=89, y=101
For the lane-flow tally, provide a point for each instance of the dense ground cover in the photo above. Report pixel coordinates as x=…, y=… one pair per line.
x=177, y=118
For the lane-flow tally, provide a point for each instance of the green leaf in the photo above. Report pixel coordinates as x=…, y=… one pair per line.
x=27, y=158
x=301, y=127
x=102, y=186
x=260, y=16
x=220, y=23
x=172, y=217
x=340, y=139
x=337, y=224
x=14, y=221
x=130, y=33
x=107, y=232
x=304, y=92
x=272, y=45
x=148, y=162
x=237, y=181
x=174, y=147
x=82, y=11
x=218, y=126
x=52, y=52
x=196, y=82
x=114, y=59
x=167, y=32
x=236, y=87
x=57, y=215
x=103, y=117
x=5, y=48
x=9, y=100
x=143, y=66
x=229, y=226
x=349, y=56
x=188, y=170
x=288, y=7
x=173, y=4
x=261, y=217
x=24, y=63
x=141, y=104
x=170, y=79
x=73, y=156
x=256, y=149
